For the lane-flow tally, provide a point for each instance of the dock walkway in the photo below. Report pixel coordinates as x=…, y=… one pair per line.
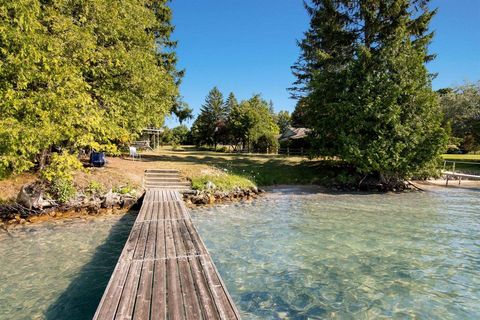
x=165, y=270
x=457, y=175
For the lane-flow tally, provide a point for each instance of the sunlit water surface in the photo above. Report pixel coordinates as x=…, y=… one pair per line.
x=59, y=271
x=290, y=255
x=350, y=256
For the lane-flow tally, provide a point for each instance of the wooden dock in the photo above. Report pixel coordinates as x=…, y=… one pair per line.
x=449, y=175
x=165, y=270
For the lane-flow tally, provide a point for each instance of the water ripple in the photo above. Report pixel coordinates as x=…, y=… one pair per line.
x=350, y=256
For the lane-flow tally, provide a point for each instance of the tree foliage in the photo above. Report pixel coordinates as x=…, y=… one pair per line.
x=231, y=103
x=252, y=124
x=78, y=74
x=283, y=120
x=363, y=87
x=181, y=134
x=209, y=127
x=461, y=107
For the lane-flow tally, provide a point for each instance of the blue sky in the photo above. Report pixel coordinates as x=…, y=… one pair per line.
x=248, y=46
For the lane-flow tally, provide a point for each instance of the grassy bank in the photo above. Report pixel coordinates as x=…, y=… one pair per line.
x=226, y=182
x=462, y=162
x=225, y=170
x=261, y=169
x=462, y=157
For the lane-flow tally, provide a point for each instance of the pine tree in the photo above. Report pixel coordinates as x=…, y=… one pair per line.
x=366, y=92
x=230, y=103
x=283, y=120
x=209, y=127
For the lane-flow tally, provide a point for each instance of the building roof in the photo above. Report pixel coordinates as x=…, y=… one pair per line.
x=294, y=134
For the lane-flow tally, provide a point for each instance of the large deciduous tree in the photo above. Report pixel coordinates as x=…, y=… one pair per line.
x=461, y=107
x=77, y=74
x=363, y=87
x=252, y=125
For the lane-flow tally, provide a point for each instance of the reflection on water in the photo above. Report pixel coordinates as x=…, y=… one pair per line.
x=346, y=256
x=289, y=255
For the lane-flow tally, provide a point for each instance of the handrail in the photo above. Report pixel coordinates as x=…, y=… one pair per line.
x=455, y=174
x=466, y=162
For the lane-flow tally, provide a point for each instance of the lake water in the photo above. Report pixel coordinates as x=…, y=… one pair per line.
x=290, y=255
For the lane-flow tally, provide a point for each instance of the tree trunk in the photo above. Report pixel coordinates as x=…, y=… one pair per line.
x=43, y=158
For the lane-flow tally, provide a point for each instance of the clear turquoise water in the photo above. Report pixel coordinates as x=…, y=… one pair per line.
x=350, y=256
x=289, y=255
x=59, y=271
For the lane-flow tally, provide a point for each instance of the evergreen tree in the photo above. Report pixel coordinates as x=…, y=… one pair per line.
x=283, y=121
x=231, y=103
x=209, y=127
x=365, y=90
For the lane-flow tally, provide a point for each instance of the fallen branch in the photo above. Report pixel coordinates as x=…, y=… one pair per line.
x=416, y=187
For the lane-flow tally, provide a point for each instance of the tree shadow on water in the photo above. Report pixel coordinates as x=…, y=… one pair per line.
x=81, y=298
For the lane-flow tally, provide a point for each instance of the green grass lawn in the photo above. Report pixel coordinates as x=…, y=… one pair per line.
x=473, y=168
x=265, y=170
x=462, y=157
x=262, y=169
x=225, y=182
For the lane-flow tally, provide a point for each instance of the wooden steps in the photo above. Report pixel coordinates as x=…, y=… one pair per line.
x=165, y=179
x=165, y=270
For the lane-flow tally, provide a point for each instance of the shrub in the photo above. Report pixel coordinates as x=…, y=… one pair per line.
x=62, y=189
x=174, y=145
x=62, y=167
x=59, y=175
x=127, y=189
x=266, y=144
x=94, y=187
x=223, y=149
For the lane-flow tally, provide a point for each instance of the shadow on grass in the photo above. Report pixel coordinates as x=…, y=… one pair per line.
x=264, y=170
x=81, y=298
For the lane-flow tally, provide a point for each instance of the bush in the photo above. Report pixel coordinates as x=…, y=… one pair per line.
x=59, y=175
x=127, y=189
x=266, y=144
x=62, y=166
x=222, y=149
x=94, y=187
x=174, y=145
x=62, y=190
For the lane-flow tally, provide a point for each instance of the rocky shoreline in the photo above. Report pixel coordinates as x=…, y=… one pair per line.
x=31, y=207
x=213, y=196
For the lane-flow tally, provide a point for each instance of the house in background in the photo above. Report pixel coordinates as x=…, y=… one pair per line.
x=294, y=141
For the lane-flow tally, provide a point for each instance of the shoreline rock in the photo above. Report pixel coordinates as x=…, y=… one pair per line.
x=212, y=196
x=32, y=205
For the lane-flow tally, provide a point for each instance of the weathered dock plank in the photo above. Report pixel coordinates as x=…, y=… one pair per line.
x=165, y=270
